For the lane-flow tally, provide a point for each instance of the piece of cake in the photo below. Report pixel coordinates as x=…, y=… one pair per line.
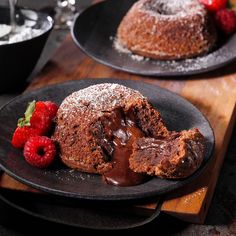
x=177, y=156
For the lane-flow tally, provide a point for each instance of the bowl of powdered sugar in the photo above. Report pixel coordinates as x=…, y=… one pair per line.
x=21, y=45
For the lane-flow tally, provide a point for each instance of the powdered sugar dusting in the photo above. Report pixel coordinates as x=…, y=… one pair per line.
x=193, y=64
x=121, y=49
x=137, y=57
x=97, y=99
x=69, y=175
x=198, y=63
x=172, y=8
x=22, y=33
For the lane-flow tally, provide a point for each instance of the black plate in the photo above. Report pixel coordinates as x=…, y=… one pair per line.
x=94, y=29
x=178, y=114
x=77, y=213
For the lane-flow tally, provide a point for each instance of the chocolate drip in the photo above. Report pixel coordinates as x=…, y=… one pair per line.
x=122, y=130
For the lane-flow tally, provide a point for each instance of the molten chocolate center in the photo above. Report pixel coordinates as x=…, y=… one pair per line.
x=124, y=132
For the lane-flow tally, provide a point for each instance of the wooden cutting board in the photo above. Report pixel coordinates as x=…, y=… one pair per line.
x=213, y=93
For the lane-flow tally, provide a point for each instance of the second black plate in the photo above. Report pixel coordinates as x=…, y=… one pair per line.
x=94, y=31
x=178, y=114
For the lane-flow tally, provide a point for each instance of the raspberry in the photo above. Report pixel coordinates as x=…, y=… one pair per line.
x=22, y=134
x=52, y=108
x=39, y=151
x=37, y=120
x=41, y=118
x=36, y=116
x=226, y=20
x=40, y=106
x=214, y=5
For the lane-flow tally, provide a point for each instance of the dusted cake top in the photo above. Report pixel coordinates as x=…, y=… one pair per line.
x=173, y=8
x=98, y=99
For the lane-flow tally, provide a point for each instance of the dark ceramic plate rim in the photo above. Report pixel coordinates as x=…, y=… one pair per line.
x=94, y=56
x=112, y=197
x=89, y=225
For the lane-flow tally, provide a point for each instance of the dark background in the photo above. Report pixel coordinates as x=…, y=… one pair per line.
x=221, y=219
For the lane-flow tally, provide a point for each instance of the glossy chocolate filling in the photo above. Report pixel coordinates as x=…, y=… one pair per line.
x=121, y=130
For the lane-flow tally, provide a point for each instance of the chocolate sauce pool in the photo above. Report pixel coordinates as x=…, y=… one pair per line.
x=124, y=133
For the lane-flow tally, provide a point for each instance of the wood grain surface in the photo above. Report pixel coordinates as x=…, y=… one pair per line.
x=213, y=93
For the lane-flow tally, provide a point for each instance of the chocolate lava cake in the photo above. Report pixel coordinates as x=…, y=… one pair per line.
x=98, y=127
x=167, y=29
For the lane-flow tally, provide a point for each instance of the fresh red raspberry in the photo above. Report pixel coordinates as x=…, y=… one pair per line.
x=41, y=119
x=37, y=120
x=36, y=116
x=40, y=106
x=214, y=5
x=226, y=20
x=22, y=134
x=39, y=151
x=52, y=108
